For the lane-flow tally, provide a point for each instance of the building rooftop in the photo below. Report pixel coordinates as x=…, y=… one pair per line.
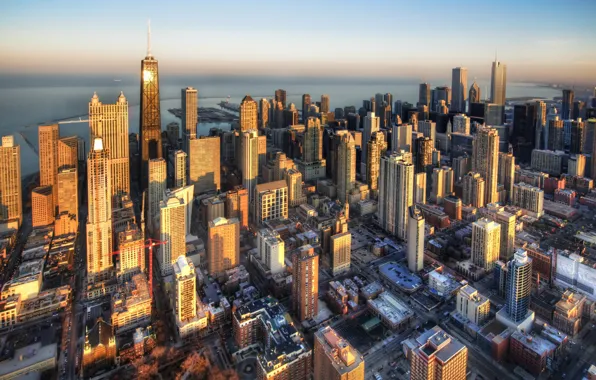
x=271, y=186
x=27, y=357
x=535, y=344
x=438, y=343
x=400, y=276
x=130, y=293
x=343, y=356
x=390, y=307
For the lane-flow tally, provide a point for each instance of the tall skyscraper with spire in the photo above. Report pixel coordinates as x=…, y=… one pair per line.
x=498, y=83
x=150, y=117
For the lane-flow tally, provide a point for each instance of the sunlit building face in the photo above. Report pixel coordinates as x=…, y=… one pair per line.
x=147, y=75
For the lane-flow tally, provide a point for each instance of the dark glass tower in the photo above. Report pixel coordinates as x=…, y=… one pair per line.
x=150, y=118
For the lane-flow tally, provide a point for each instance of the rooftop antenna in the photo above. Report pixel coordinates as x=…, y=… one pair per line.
x=149, y=37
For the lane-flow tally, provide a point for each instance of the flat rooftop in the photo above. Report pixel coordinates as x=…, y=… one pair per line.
x=400, y=276
x=391, y=307
x=27, y=357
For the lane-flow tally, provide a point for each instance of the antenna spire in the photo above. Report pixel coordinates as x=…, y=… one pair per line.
x=149, y=37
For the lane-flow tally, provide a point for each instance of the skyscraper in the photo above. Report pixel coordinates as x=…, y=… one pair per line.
x=507, y=222
x=424, y=153
x=271, y=201
x=11, y=200
x=223, y=245
x=485, y=160
x=172, y=220
x=498, y=83
x=415, y=239
x=150, y=116
x=324, y=103
x=248, y=117
x=313, y=140
x=336, y=358
x=280, y=97
x=567, y=105
x=99, y=219
x=204, y=164
x=473, y=190
x=507, y=172
x=68, y=153
x=420, y=188
x=67, y=218
x=401, y=138
x=346, y=165
x=424, y=94
x=48, y=156
x=305, y=283
x=186, y=297
x=519, y=286
x=110, y=122
x=294, y=183
x=305, y=107
x=42, y=206
x=131, y=246
x=440, y=357
x=237, y=205
x=459, y=86
x=179, y=158
x=249, y=161
x=475, y=94
x=190, y=116
x=486, y=243
x=158, y=180
x=263, y=113
x=376, y=148
x=271, y=250
x=396, y=187
x=371, y=125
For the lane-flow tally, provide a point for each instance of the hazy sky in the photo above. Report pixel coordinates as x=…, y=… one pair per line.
x=539, y=40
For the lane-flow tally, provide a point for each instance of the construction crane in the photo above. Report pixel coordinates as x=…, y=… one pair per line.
x=149, y=243
x=81, y=120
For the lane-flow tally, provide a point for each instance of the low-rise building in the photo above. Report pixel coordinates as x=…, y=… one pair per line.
x=394, y=313
x=568, y=312
x=131, y=305
x=530, y=352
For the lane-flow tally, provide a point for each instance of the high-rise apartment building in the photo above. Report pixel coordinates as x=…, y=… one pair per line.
x=415, y=239
x=180, y=159
x=401, y=138
x=204, y=164
x=473, y=190
x=424, y=94
x=190, y=115
x=271, y=201
x=472, y=305
x=172, y=220
x=556, y=133
x=371, y=125
x=325, y=103
x=340, y=251
x=150, y=118
x=336, y=358
x=485, y=160
x=438, y=185
x=376, y=148
x=474, y=94
x=440, y=357
x=528, y=197
x=305, y=283
x=498, y=83
x=271, y=250
x=424, y=153
x=420, y=188
x=396, y=187
x=486, y=243
x=280, y=97
x=131, y=246
x=42, y=206
x=461, y=124
x=248, y=115
x=519, y=286
x=507, y=172
x=68, y=153
x=48, y=136
x=67, y=218
x=237, y=205
x=507, y=222
x=190, y=316
x=264, y=113
x=110, y=122
x=249, y=161
x=223, y=245
x=158, y=179
x=305, y=107
x=99, y=219
x=459, y=86
x=11, y=200
x=313, y=140
x=294, y=182
x=346, y=165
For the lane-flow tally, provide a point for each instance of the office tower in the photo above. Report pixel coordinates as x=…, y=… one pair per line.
x=263, y=113
x=68, y=153
x=528, y=197
x=540, y=124
x=472, y=305
x=424, y=153
x=555, y=133
x=474, y=94
x=507, y=222
x=158, y=179
x=423, y=95
x=278, y=113
x=313, y=140
x=204, y=164
x=271, y=250
x=415, y=239
x=42, y=206
x=396, y=185
x=180, y=159
x=371, y=125
x=440, y=357
x=305, y=283
x=11, y=206
x=461, y=124
x=377, y=146
x=493, y=114
x=324, y=103
x=498, y=83
x=131, y=246
x=485, y=160
x=438, y=186
x=340, y=252
x=452, y=206
x=190, y=115
x=473, y=190
x=187, y=307
x=346, y=165
x=172, y=218
x=223, y=245
x=428, y=128
x=567, y=105
x=459, y=86
x=150, y=118
x=99, y=218
x=440, y=93
x=579, y=110
x=248, y=114
x=110, y=122
x=249, y=161
x=294, y=182
x=507, y=172
x=237, y=205
x=448, y=180
x=519, y=286
x=420, y=187
x=48, y=156
x=305, y=107
x=271, y=201
x=576, y=166
x=336, y=358
x=401, y=138
x=67, y=218
x=280, y=97
x=486, y=243
x=384, y=112
x=577, y=136
x=173, y=134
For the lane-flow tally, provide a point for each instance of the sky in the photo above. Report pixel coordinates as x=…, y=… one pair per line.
x=539, y=40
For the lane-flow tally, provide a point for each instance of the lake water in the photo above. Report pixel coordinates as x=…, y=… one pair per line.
x=26, y=102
